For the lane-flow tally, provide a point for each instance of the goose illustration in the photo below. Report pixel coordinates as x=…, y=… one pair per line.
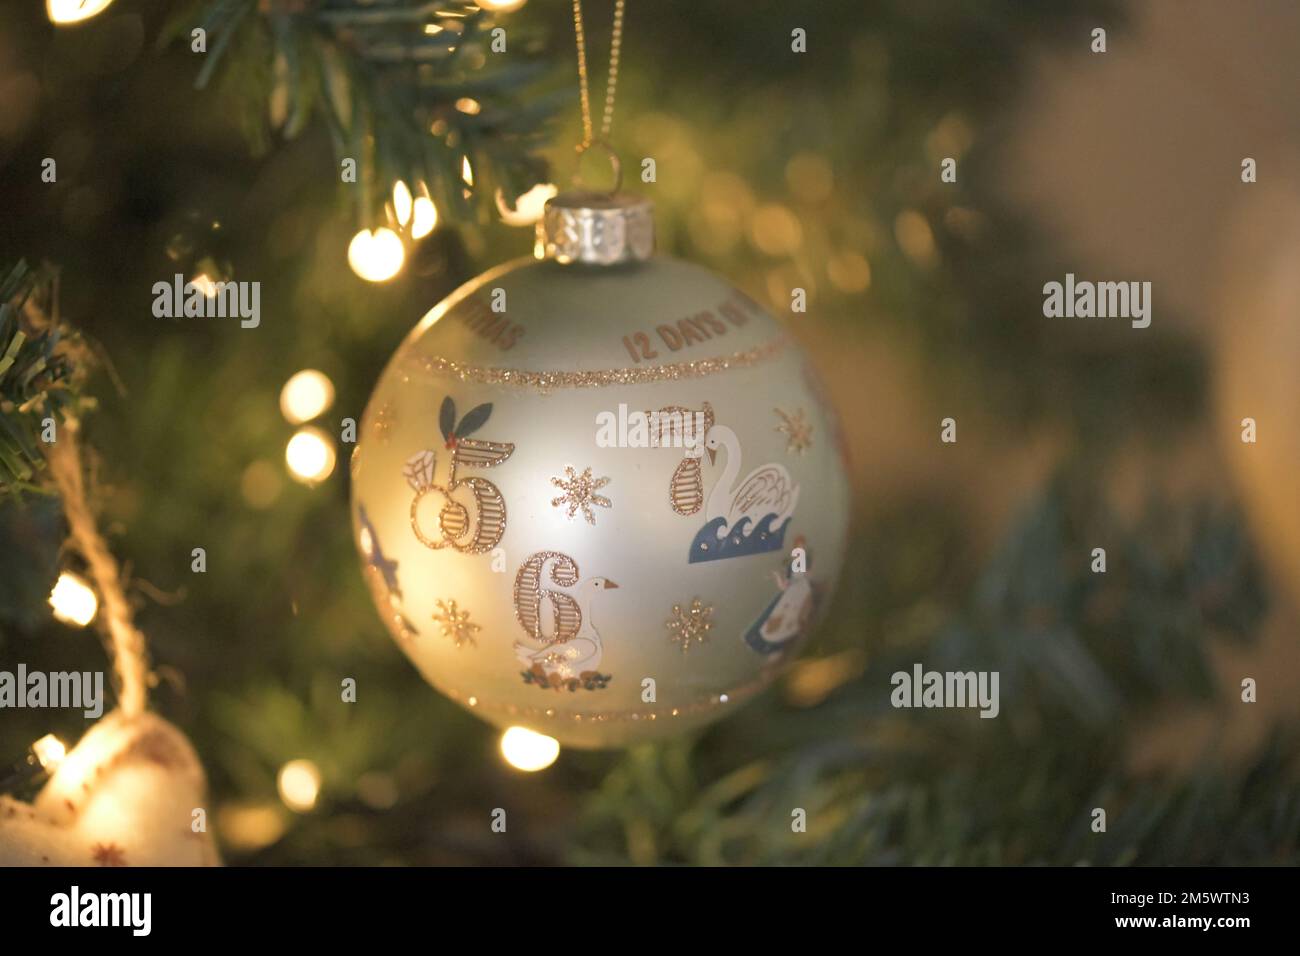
x=569, y=658
x=746, y=517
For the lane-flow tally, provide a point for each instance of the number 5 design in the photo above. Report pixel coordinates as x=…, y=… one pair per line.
x=473, y=514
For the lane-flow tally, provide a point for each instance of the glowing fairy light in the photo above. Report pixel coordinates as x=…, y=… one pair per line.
x=74, y=11
x=402, y=202
x=306, y=395
x=501, y=6
x=50, y=751
x=310, y=456
x=528, y=750
x=205, y=285
x=528, y=208
x=469, y=106
x=466, y=171
x=299, y=785
x=251, y=827
x=377, y=255
x=424, y=217
x=73, y=600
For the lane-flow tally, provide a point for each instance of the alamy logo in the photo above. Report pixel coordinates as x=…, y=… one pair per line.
x=74, y=908
x=922, y=688
x=84, y=689
x=1102, y=300
x=666, y=428
x=204, y=298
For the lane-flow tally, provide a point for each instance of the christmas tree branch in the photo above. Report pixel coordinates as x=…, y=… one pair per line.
x=40, y=375
x=408, y=90
x=42, y=365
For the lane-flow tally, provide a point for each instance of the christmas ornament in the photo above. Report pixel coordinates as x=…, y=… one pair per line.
x=126, y=795
x=131, y=792
x=579, y=476
x=578, y=479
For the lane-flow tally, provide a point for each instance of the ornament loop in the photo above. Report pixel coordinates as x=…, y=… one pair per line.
x=614, y=162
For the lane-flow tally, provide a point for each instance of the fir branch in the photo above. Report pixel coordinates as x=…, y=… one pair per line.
x=42, y=367
x=1083, y=659
x=389, y=80
x=43, y=364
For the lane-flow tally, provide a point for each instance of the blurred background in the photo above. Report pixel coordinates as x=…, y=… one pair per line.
x=1119, y=690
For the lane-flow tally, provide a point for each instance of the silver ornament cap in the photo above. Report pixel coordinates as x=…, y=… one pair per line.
x=595, y=228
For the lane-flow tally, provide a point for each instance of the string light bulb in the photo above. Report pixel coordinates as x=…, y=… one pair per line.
x=306, y=395
x=528, y=750
x=205, y=285
x=528, y=207
x=310, y=456
x=376, y=255
x=50, y=751
x=73, y=600
x=299, y=785
x=402, y=202
x=501, y=6
x=74, y=11
x=424, y=215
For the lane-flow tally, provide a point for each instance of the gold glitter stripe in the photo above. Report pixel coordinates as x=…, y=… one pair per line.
x=711, y=702
x=546, y=381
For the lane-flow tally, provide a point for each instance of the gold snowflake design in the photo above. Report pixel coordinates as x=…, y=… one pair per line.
x=455, y=623
x=690, y=625
x=580, y=492
x=797, y=432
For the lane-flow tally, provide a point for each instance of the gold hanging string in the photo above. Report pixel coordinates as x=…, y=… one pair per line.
x=611, y=84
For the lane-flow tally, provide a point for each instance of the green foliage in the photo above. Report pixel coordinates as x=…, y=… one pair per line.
x=388, y=90
x=1086, y=661
x=38, y=380
x=251, y=653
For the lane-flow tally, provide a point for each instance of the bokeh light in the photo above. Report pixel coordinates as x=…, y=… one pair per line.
x=915, y=237
x=310, y=456
x=776, y=230
x=402, y=202
x=376, y=255
x=424, y=217
x=74, y=11
x=299, y=785
x=307, y=394
x=528, y=750
x=529, y=207
x=250, y=826
x=50, y=751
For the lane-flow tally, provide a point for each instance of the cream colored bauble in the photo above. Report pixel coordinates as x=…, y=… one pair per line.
x=600, y=495
x=125, y=795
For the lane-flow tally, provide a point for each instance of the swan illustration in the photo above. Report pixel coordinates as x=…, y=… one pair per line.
x=767, y=490
x=569, y=661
